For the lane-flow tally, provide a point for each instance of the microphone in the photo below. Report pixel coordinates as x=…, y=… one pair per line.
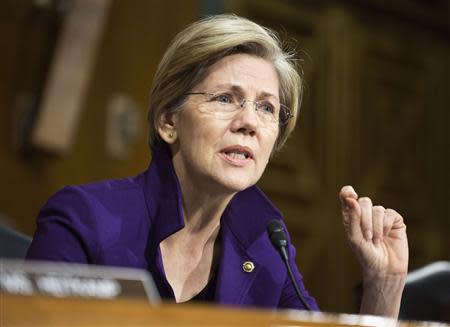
x=279, y=241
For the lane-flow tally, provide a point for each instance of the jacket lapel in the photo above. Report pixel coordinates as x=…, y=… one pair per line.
x=244, y=239
x=233, y=282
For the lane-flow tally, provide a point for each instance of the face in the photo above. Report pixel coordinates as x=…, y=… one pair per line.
x=230, y=154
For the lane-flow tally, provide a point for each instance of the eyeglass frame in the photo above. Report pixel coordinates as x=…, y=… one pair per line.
x=289, y=114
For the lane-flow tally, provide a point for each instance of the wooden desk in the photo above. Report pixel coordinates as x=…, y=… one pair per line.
x=46, y=311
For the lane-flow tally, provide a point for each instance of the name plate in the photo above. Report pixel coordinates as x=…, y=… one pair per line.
x=31, y=278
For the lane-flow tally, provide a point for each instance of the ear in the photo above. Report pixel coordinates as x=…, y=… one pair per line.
x=167, y=127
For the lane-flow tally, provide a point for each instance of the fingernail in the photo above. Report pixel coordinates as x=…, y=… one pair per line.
x=368, y=235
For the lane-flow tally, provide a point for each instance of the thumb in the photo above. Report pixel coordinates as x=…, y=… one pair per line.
x=351, y=213
x=347, y=192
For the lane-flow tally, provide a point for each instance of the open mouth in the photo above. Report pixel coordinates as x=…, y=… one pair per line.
x=237, y=154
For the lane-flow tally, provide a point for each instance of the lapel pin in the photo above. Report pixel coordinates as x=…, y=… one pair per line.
x=248, y=266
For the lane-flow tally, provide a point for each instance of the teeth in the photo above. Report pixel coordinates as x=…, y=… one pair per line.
x=237, y=155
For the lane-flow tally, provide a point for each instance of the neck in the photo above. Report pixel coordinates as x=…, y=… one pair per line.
x=203, y=202
x=202, y=214
x=202, y=210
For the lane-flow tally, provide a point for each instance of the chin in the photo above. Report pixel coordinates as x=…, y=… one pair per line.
x=237, y=183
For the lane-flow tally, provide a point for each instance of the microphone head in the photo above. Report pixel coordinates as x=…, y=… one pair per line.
x=276, y=233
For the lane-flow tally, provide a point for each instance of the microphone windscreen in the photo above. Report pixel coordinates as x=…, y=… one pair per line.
x=276, y=233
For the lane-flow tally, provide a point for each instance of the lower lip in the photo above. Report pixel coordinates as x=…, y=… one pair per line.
x=235, y=162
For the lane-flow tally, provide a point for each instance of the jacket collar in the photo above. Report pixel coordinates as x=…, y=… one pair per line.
x=246, y=215
x=163, y=196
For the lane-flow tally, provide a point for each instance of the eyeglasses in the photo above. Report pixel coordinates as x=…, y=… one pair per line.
x=225, y=105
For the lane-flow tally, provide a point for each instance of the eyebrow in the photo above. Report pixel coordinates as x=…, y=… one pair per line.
x=237, y=88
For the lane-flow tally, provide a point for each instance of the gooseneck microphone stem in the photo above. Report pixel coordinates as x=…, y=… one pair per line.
x=279, y=241
x=297, y=290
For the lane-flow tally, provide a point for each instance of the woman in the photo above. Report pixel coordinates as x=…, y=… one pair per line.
x=225, y=97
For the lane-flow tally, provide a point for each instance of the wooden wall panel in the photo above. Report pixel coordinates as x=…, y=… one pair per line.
x=136, y=35
x=405, y=161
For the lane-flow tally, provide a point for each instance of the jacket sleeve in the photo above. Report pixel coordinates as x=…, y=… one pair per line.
x=289, y=298
x=65, y=229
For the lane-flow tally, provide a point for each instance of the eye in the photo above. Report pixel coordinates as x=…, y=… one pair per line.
x=266, y=107
x=223, y=98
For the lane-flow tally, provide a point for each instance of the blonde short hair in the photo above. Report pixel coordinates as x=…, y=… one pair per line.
x=203, y=43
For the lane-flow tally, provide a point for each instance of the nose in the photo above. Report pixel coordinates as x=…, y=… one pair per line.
x=246, y=120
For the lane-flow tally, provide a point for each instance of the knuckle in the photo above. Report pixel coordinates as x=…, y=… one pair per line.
x=391, y=212
x=394, y=215
x=378, y=208
x=365, y=200
x=366, y=232
x=366, y=224
x=346, y=220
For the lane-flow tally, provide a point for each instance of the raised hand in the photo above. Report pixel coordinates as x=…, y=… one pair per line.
x=378, y=238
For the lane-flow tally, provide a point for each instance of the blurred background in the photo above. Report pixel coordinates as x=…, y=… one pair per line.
x=74, y=84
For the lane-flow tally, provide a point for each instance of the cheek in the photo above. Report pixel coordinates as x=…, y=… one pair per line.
x=268, y=141
x=267, y=144
x=198, y=136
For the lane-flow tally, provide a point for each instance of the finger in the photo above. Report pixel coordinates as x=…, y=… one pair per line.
x=399, y=223
x=347, y=192
x=389, y=217
x=347, y=206
x=377, y=223
x=366, y=217
x=395, y=221
x=351, y=217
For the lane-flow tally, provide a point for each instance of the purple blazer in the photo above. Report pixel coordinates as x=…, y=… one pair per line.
x=121, y=223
